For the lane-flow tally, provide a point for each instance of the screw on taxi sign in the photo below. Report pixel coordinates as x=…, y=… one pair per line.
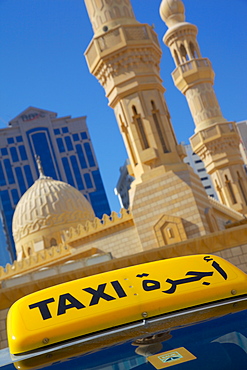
x=170, y=358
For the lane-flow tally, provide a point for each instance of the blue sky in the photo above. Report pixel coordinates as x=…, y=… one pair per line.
x=42, y=64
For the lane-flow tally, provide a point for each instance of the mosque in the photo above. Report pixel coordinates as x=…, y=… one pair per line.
x=57, y=236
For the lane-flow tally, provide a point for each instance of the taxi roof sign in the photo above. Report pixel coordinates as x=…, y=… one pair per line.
x=114, y=298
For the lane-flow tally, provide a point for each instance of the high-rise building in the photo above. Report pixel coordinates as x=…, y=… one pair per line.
x=123, y=186
x=198, y=166
x=66, y=153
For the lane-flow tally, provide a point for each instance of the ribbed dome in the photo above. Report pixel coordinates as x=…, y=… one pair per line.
x=46, y=209
x=172, y=12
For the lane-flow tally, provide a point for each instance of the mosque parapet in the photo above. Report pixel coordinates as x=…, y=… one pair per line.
x=35, y=261
x=98, y=226
x=50, y=256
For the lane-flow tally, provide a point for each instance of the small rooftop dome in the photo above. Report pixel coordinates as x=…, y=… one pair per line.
x=172, y=12
x=46, y=209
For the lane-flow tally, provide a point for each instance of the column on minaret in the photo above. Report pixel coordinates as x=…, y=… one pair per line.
x=216, y=140
x=167, y=199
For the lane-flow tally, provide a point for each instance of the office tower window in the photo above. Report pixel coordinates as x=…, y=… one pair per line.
x=89, y=153
x=98, y=198
x=84, y=135
x=9, y=172
x=65, y=130
x=4, y=151
x=28, y=175
x=88, y=180
x=7, y=219
x=42, y=146
x=56, y=131
x=68, y=143
x=68, y=172
x=2, y=178
x=20, y=180
x=75, y=137
x=19, y=139
x=60, y=145
x=15, y=196
x=14, y=154
x=81, y=156
x=10, y=140
x=22, y=152
x=76, y=171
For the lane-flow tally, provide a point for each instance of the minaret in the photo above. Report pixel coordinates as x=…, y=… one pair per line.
x=167, y=199
x=124, y=56
x=216, y=140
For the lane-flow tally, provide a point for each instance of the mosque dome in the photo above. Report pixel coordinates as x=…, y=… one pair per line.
x=172, y=12
x=46, y=209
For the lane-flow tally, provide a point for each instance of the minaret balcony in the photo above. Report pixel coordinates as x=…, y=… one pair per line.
x=217, y=131
x=118, y=39
x=192, y=72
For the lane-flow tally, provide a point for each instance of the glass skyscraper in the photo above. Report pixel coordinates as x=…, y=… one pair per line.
x=66, y=152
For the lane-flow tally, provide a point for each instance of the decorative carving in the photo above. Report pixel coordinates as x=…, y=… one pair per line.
x=169, y=230
x=129, y=61
x=104, y=11
x=203, y=102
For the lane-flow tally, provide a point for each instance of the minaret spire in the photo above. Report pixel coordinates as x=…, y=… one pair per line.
x=216, y=140
x=40, y=167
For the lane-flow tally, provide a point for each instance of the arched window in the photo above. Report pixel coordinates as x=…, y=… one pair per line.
x=170, y=233
x=156, y=118
x=183, y=53
x=230, y=190
x=53, y=242
x=134, y=110
x=241, y=186
x=124, y=129
x=140, y=128
x=193, y=50
x=218, y=189
x=176, y=58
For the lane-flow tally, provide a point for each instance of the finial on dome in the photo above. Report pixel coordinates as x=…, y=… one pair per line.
x=172, y=12
x=40, y=168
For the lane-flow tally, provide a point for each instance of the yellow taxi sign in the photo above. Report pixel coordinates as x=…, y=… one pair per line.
x=118, y=297
x=91, y=343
